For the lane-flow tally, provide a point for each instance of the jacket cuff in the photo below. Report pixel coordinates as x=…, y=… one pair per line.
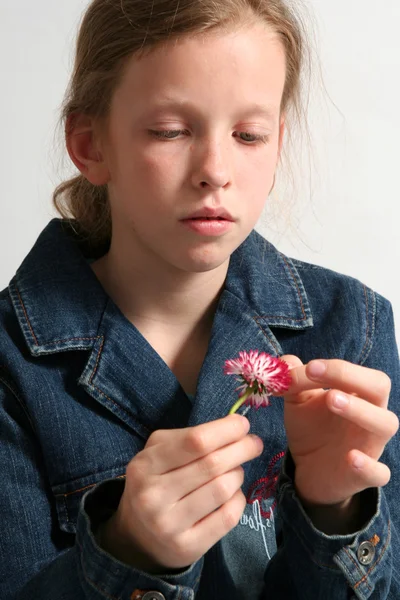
x=103, y=574
x=362, y=559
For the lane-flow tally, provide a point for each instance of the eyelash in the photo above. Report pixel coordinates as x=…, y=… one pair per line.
x=163, y=135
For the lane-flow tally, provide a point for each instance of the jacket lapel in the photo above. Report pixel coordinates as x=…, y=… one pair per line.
x=263, y=289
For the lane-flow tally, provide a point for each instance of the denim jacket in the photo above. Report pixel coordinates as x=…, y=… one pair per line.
x=81, y=391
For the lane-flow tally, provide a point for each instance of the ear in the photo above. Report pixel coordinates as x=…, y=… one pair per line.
x=84, y=149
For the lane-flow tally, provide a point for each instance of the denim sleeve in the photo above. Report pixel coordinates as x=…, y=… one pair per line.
x=366, y=564
x=37, y=559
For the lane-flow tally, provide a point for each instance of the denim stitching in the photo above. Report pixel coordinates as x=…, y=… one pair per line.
x=357, y=566
x=120, y=407
x=72, y=340
x=84, y=488
x=372, y=332
x=94, y=373
x=367, y=332
x=282, y=317
x=297, y=286
x=26, y=316
x=101, y=391
x=90, y=580
x=379, y=558
x=265, y=334
x=98, y=357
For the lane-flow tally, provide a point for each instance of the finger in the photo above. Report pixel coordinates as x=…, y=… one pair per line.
x=188, y=478
x=205, y=500
x=367, y=383
x=291, y=360
x=216, y=525
x=379, y=421
x=170, y=449
x=365, y=472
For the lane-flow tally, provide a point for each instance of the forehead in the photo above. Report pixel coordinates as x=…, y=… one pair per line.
x=245, y=68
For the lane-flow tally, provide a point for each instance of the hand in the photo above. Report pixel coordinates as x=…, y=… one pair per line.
x=182, y=495
x=336, y=449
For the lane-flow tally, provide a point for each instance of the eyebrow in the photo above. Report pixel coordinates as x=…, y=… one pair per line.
x=166, y=103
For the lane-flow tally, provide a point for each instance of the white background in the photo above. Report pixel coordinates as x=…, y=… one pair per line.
x=346, y=211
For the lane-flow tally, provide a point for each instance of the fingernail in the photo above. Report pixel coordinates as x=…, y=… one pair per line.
x=316, y=369
x=340, y=401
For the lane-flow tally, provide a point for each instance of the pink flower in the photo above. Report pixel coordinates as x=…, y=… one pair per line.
x=260, y=374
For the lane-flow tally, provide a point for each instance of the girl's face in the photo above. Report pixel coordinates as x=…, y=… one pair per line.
x=195, y=127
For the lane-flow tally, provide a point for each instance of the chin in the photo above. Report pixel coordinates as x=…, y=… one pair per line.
x=203, y=264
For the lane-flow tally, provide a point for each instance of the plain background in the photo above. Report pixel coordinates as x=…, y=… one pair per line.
x=346, y=205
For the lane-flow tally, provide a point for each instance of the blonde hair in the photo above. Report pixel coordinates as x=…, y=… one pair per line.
x=113, y=30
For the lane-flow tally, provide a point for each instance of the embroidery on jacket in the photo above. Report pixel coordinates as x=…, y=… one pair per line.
x=261, y=496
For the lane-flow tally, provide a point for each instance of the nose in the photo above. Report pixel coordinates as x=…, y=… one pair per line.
x=211, y=165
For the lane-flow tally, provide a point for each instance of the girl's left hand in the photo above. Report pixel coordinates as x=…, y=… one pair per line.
x=335, y=448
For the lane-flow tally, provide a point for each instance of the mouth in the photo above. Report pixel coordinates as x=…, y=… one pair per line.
x=206, y=226
x=206, y=219
x=209, y=214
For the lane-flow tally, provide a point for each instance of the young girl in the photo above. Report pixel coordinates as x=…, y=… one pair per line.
x=122, y=475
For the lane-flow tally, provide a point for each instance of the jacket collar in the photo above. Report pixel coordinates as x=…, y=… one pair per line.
x=61, y=306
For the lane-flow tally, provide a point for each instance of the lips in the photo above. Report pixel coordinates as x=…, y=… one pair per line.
x=210, y=214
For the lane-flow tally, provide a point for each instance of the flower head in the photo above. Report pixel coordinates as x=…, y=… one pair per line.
x=260, y=375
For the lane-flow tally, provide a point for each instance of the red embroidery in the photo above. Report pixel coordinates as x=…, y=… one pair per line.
x=264, y=488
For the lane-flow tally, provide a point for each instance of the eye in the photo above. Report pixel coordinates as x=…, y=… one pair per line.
x=172, y=134
x=167, y=134
x=251, y=138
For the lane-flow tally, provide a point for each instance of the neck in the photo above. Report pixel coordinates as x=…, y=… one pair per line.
x=160, y=293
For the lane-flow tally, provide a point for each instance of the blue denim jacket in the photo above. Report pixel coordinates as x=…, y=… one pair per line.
x=81, y=390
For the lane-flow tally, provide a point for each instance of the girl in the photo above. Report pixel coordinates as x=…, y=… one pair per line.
x=123, y=478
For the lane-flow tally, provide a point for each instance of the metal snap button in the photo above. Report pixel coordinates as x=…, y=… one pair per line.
x=153, y=596
x=366, y=553
x=143, y=595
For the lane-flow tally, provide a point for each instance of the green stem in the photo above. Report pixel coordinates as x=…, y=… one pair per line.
x=241, y=401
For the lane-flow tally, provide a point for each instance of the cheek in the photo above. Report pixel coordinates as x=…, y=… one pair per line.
x=157, y=169
x=256, y=174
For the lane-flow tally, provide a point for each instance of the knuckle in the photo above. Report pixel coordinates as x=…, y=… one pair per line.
x=156, y=437
x=137, y=469
x=210, y=464
x=164, y=528
x=240, y=474
x=230, y=518
x=384, y=384
x=196, y=441
x=222, y=490
x=393, y=424
x=233, y=510
x=387, y=476
x=343, y=368
x=149, y=500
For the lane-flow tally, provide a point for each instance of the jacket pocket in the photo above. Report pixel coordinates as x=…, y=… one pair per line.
x=68, y=496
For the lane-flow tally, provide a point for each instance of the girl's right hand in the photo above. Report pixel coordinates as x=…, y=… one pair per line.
x=182, y=495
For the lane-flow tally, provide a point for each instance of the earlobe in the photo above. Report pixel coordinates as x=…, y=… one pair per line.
x=83, y=150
